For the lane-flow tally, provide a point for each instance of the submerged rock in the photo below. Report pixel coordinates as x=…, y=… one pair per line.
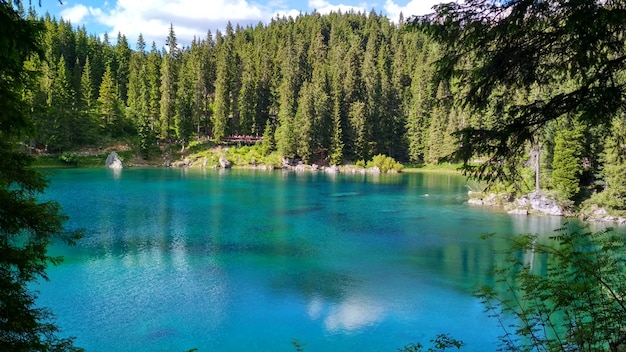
x=113, y=161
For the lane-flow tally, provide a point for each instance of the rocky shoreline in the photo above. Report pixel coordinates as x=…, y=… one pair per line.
x=538, y=203
x=287, y=164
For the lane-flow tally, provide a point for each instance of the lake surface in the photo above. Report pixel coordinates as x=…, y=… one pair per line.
x=250, y=260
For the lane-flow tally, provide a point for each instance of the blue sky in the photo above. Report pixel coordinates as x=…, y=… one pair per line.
x=196, y=17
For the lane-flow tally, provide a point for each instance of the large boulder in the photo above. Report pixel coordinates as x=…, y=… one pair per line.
x=113, y=161
x=182, y=163
x=225, y=163
x=542, y=204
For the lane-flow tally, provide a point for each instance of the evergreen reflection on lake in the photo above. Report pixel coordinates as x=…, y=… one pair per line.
x=251, y=260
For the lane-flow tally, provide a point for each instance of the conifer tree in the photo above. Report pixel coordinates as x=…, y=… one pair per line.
x=109, y=103
x=108, y=56
x=358, y=124
x=235, y=68
x=385, y=126
x=97, y=62
x=450, y=140
x=567, y=161
x=438, y=126
x=266, y=100
x=167, y=97
x=87, y=96
x=136, y=79
x=338, y=114
x=321, y=122
x=202, y=55
x=139, y=97
x=223, y=86
x=247, y=96
x=336, y=143
x=76, y=73
x=303, y=123
x=153, y=78
x=614, y=194
x=169, y=84
x=87, y=104
x=373, y=93
x=82, y=45
x=184, y=108
x=65, y=43
x=27, y=225
x=62, y=105
x=267, y=145
x=353, y=94
x=420, y=105
x=122, y=58
x=497, y=48
x=285, y=135
x=398, y=98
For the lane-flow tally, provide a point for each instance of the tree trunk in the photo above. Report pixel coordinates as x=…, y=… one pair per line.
x=537, y=163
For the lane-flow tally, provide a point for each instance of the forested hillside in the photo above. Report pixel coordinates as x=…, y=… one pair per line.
x=348, y=85
x=328, y=89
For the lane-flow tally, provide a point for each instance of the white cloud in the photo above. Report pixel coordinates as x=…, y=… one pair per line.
x=412, y=8
x=324, y=7
x=189, y=17
x=196, y=17
x=75, y=14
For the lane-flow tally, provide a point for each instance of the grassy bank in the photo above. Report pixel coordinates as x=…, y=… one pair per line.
x=77, y=160
x=439, y=168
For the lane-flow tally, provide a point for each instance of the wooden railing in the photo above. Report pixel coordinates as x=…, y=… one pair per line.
x=241, y=139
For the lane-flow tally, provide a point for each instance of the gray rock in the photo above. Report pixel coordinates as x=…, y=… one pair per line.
x=491, y=200
x=224, y=163
x=522, y=202
x=475, y=201
x=113, y=161
x=183, y=163
x=542, y=204
x=287, y=163
x=599, y=212
x=480, y=198
x=333, y=169
x=373, y=170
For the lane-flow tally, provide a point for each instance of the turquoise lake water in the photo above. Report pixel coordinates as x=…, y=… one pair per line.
x=250, y=260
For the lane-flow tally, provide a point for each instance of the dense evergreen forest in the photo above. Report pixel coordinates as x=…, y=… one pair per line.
x=344, y=85
x=328, y=89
